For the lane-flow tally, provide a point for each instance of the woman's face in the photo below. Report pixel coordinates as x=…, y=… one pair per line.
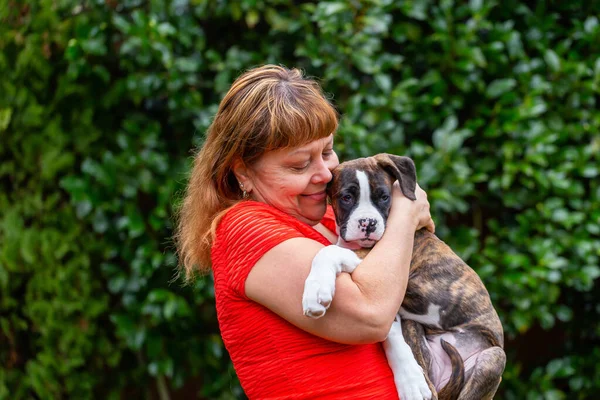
x=294, y=180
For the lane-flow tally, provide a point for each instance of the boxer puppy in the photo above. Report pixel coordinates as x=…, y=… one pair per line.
x=447, y=340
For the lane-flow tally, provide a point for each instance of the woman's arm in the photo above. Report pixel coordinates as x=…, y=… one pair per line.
x=365, y=302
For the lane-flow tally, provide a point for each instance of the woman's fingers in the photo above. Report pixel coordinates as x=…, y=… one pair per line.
x=431, y=226
x=418, y=209
x=425, y=220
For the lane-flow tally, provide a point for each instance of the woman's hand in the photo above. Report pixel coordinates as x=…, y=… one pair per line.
x=416, y=211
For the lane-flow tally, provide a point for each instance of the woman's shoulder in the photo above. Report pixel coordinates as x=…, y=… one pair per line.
x=250, y=211
x=249, y=220
x=245, y=233
x=250, y=215
x=250, y=206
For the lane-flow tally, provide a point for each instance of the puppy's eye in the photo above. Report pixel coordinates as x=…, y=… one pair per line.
x=347, y=198
x=385, y=197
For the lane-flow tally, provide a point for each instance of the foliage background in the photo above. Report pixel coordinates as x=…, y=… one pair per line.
x=102, y=100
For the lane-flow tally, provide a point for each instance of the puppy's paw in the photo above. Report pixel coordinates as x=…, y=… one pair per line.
x=319, y=287
x=317, y=297
x=349, y=260
x=411, y=383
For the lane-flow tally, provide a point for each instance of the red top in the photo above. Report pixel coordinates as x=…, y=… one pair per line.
x=273, y=358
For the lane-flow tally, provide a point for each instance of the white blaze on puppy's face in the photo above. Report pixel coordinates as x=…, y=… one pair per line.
x=365, y=223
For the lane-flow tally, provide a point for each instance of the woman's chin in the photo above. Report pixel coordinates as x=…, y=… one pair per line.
x=314, y=214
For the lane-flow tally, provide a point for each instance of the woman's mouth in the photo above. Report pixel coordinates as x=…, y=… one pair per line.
x=318, y=196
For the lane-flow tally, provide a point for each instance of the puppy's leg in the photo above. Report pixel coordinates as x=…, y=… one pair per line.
x=414, y=335
x=485, y=376
x=408, y=375
x=319, y=286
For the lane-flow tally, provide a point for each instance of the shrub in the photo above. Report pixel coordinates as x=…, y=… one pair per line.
x=102, y=102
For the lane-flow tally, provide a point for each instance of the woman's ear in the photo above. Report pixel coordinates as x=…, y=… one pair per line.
x=240, y=170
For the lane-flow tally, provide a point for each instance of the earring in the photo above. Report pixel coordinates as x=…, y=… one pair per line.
x=244, y=193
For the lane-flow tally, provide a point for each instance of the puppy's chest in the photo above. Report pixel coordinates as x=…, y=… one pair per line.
x=362, y=253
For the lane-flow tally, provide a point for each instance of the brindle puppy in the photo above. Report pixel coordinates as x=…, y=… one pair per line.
x=447, y=318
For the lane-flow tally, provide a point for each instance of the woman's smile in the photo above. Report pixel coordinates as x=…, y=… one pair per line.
x=316, y=196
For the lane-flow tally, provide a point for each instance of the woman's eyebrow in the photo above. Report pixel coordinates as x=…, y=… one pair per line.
x=305, y=150
x=299, y=151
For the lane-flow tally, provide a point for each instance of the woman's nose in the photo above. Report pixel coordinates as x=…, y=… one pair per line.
x=323, y=173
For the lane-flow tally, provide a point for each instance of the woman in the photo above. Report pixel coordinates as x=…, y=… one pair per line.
x=255, y=209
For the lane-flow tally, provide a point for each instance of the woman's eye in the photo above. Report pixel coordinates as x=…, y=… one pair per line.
x=300, y=168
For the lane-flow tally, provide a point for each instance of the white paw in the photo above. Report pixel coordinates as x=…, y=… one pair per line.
x=411, y=383
x=317, y=297
x=319, y=287
x=349, y=260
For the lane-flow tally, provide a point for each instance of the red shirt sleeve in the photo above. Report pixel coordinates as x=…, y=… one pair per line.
x=244, y=235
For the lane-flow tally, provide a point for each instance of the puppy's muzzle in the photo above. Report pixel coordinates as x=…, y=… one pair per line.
x=367, y=225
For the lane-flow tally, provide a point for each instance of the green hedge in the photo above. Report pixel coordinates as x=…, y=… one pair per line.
x=102, y=101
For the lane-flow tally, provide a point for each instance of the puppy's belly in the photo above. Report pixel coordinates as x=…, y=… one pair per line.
x=441, y=368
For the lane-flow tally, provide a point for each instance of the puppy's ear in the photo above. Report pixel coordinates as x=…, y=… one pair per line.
x=401, y=168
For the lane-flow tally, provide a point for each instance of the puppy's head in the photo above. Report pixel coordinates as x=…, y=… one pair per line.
x=361, y=195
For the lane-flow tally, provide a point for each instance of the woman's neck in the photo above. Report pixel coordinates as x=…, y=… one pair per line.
x=332, y=237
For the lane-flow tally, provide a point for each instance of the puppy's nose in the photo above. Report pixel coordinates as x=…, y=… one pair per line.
x=367, y=225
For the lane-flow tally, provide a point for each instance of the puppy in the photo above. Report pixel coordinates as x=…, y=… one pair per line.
x=447, y=340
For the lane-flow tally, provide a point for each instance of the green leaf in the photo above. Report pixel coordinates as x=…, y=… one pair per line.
x=499, y=87
x=165, y=29
x=384, y=82
x=415, y=9
x=94, y=46
x=159, y=295
x=475, y=5
x=252, y=18
x=170, y=308
x=591, y=272
x=552, y=60
x=591, y=24
x=330, y=8
x=5, y=116
x=121, y=23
